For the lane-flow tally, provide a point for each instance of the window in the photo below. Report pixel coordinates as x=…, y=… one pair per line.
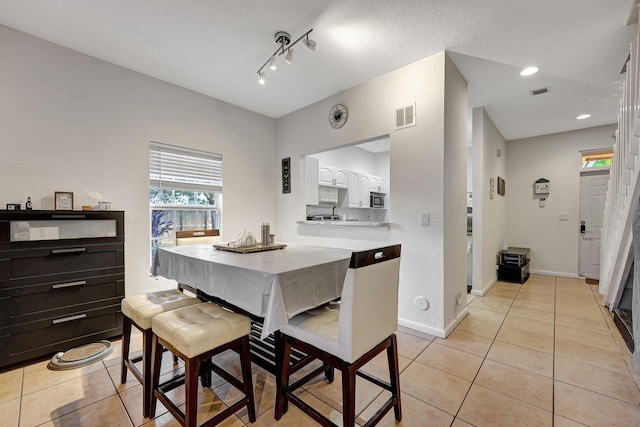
x=595, y=159
x=185, y=192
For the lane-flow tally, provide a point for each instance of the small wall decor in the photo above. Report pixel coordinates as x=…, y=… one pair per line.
x=541, y=186
x=63, y=201
x=13, y=206
x=286, y=175
x=501, y=187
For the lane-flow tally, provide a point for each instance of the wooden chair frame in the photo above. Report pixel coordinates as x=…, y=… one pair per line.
x=190, y=380
x=349, y=371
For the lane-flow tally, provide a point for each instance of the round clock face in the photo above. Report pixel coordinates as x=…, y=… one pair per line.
x=338, y=116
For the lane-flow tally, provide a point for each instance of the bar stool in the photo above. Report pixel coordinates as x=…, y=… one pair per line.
x=138, y=310
x=347, y=337
x=195, y=334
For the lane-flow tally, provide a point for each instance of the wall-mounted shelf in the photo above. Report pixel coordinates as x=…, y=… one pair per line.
x=347, y=223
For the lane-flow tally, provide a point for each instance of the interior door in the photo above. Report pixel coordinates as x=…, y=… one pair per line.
x=593, y=193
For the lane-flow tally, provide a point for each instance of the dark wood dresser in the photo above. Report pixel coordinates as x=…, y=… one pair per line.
x=61, y=281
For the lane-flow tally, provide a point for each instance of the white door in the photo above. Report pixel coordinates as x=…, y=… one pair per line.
x=593, y=193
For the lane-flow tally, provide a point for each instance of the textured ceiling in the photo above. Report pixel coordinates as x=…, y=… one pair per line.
x=215, y=47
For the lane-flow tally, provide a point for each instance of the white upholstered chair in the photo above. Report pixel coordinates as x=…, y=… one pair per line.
x=348, y=337
x=138, y=311
x=195, y=334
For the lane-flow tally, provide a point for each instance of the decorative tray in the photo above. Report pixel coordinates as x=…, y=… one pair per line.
x=246, y=250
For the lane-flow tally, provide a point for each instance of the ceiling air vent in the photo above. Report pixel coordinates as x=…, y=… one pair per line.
x=539, y=91
x=406, y=116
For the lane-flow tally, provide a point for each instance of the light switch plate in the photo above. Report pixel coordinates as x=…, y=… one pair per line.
x=424, y=219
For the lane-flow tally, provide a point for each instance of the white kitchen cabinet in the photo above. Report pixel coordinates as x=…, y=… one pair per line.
x=333, y=177
x=359, y=190
x=378, y=184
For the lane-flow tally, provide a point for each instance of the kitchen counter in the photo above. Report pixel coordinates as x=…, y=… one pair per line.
x=346, y=223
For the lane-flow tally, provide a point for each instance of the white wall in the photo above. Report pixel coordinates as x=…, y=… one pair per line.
x=70, y=122
x=554, y=244
x=489, y=215
x=417, y=176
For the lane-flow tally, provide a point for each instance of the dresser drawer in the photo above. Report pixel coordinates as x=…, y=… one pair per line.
x=38, y=263
x=20, y=347
x=67, y=294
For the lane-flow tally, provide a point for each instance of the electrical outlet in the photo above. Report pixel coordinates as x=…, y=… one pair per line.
x=424, y=219
x=458, y=298
x=564, y=217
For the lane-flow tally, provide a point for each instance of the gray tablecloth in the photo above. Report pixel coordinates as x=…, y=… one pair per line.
x=275, y=285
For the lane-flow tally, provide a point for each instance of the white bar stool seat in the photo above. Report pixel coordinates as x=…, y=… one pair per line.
x=196, y=334
x=138, y=310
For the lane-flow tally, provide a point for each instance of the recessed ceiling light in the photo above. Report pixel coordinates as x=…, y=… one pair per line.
x=528, y=71
x=583, y=116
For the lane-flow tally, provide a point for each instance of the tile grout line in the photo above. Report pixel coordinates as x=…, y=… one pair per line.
x=484, y=358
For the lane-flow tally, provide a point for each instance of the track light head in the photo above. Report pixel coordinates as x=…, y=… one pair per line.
x=272, y=63
x=311, y=44
x=261, y=79
x=287, y=58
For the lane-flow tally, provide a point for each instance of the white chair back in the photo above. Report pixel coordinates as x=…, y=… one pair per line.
x=369, y=304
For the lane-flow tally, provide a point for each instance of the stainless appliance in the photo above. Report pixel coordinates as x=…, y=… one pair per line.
x=377, y=200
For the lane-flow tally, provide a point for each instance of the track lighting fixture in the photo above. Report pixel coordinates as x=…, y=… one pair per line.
x=284, y=40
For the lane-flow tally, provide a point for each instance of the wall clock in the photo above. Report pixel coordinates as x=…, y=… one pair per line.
x=338, y=116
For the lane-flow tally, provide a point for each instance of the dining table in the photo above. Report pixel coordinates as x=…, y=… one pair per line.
x=271, y=286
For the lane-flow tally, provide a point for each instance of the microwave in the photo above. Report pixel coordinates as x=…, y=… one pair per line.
x=377, y=200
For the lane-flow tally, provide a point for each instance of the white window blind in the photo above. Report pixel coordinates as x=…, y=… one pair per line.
x=185, y=169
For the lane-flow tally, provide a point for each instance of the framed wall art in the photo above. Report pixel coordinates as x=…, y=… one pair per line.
x=63, y=201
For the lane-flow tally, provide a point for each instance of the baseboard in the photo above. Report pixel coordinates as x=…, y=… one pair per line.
x=555, y=273
x=440, y=333
x=482, y=292
x=456, y=321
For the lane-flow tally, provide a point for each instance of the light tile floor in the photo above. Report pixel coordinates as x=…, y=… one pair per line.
x=545, y=353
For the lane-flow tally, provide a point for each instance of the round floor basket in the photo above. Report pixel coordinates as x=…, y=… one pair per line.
x=81, y=356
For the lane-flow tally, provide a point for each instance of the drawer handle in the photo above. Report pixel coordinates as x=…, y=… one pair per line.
x=70, y=284
x=68, y=251
x=68, y=216
x=70, y=318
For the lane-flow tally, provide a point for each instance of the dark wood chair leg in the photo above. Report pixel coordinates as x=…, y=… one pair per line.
x=126, y=344
x=394, y=375
x=191, y=369
x=247, y=378
x=156, y=361
x=147, y=386
x=284, y=351
x=348, y=395
x=329, y=374
x=205, y=373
